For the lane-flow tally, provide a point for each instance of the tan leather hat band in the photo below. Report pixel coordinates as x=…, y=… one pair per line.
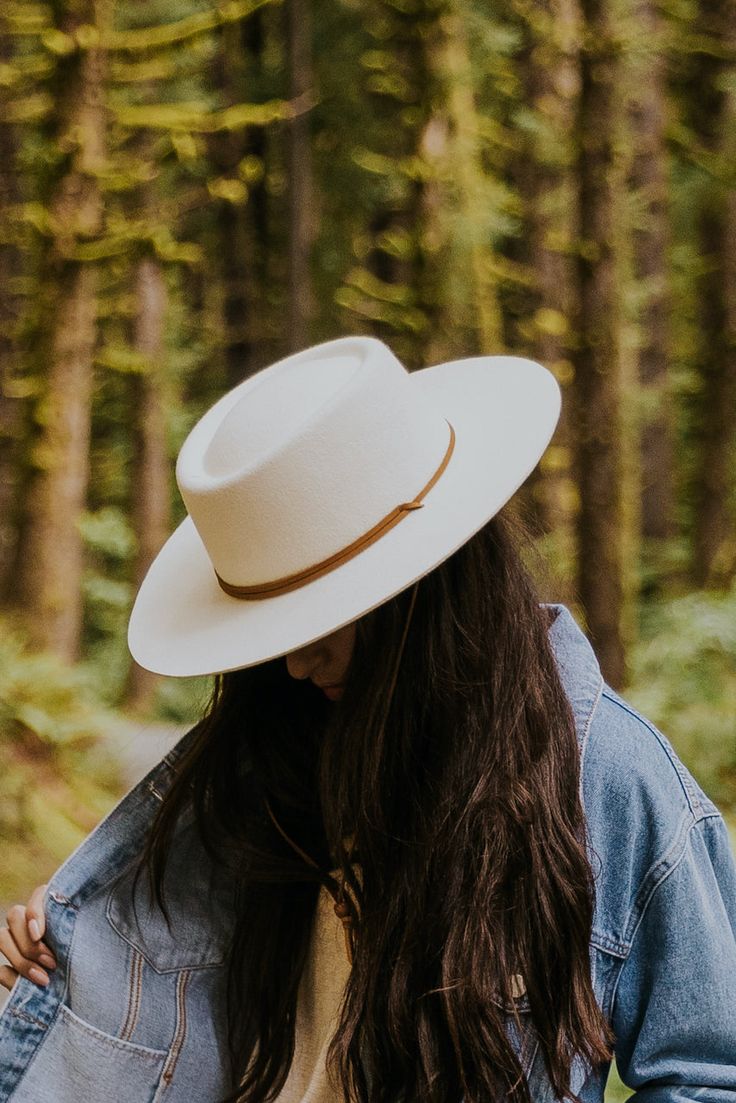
x=309, y=574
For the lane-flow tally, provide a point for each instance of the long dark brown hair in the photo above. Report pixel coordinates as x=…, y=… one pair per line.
x=460, y=796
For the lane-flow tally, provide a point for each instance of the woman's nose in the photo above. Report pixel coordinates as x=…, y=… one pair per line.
x=303, y=662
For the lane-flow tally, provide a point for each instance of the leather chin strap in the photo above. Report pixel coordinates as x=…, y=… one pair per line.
x=343, y=910
x=345, y=906
x=309, y=574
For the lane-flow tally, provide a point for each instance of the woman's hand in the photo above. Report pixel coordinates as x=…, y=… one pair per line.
x=20, y=942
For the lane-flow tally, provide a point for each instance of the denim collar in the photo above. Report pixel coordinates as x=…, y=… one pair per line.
x=579, y=670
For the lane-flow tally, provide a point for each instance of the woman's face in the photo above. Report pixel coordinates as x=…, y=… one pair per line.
x=325, y=661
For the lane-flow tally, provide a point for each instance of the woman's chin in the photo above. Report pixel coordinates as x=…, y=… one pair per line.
x=332, y=693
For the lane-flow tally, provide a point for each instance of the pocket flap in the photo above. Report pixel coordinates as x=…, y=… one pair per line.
x=199, y=902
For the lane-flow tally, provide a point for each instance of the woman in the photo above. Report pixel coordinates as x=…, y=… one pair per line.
x=416, y=849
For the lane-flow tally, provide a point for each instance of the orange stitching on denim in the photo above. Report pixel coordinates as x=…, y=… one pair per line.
x=181, y=1026
x=134, y=996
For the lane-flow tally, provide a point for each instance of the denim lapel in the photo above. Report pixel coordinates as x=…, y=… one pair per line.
x=579, y=670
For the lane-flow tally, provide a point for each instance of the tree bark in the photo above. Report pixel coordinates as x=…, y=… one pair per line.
x=151, y=505
x=550, y=71
x=51, y=575
x=242, y=231
x=463, y=151
x=597, y=415
x=714, y=116
x=648, y=179
x=298, y=21
x=728, y=563
x=403, y=298
x=13, y=413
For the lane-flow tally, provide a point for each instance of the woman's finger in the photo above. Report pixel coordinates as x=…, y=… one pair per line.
x=30, y=949
x=21, y=964
x=18, y=927
x=8, y=976
x=35, y=913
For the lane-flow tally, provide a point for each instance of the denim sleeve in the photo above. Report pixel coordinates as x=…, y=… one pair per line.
x=674, y=1011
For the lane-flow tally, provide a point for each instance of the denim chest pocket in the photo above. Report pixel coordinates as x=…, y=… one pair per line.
x=78, y=1062
x=141, y=1005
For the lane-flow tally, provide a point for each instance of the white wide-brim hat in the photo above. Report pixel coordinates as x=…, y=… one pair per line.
x=325, y=484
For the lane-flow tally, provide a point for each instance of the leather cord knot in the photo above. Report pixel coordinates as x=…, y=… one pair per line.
x=337, y=890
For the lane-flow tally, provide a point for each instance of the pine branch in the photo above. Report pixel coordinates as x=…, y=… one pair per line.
x=198, y=119
x=149, y=38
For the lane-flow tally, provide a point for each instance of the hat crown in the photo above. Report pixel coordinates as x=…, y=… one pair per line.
x=301, y=460
x=267, y=415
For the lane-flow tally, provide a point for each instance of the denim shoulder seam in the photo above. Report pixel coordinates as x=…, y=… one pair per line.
x=586, y=731
x=656, y=874
x=691, y=795
x=655, y=877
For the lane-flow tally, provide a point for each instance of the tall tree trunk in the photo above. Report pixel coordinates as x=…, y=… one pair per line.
x=456, y=72
x=729, y=288
x=596, y=387
x=12, y=404
x=51, y=579
x=298, y=20
x=550, y=66
x=398, y=288
x=648, y=179
x=714, y=555
x=242, y=227
x=151, y=490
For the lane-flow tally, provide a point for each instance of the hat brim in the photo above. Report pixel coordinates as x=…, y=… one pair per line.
x=504, y=410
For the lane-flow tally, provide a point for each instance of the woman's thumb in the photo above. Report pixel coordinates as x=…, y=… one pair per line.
x=35, y=918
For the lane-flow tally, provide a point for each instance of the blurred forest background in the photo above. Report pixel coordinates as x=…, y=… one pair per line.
x=191, y=190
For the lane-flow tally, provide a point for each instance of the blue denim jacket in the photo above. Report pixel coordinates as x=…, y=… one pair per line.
x=135, y=1012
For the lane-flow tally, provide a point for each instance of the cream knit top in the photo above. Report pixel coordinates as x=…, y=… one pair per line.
x=320, y=993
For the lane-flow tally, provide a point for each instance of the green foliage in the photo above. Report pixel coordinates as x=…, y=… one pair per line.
x=182, y=700
x=731, y=824
x=684, y=679
x=57, y=776
x=175, y=32
x=107, y=532
x=194, y=117
x=110, y=544
x=616, y=1090
x=425, y=135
